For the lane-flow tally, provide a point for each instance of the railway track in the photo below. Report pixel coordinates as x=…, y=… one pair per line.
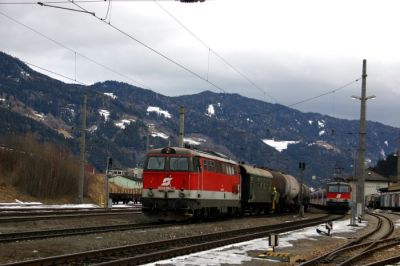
x=154, y=251
x=52, y=233
x=355, y=251
x=33, y=235
x=6, y=217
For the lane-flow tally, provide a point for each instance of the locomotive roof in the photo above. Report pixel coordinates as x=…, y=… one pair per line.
x=186, y=151
x=337, y=183
x=256, y=171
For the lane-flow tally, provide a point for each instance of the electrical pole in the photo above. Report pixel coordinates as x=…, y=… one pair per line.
x=353, y=202
x=147, y=142
x=181, y=125
x=302, y=167
x=362, y=142
x=82, y=154
x=106, y=176
x=398, y=160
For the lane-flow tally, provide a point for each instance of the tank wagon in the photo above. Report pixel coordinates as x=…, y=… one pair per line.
x=289, y=188
x=179, y=183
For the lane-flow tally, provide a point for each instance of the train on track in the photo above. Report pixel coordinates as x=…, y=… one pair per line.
x=180, y=183
x=336, y=196
x=385, y=200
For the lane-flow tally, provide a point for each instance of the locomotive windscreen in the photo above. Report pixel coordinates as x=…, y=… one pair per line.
x=338, y=188
x=171, y=163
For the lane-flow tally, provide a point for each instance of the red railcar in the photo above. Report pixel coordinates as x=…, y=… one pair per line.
x=180, y=183
x=336, y=196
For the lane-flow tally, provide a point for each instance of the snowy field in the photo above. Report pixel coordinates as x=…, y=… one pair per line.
x=38, y=205
x=238, y=253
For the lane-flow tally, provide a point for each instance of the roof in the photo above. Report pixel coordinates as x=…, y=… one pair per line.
x=372, y=176
x=256, y=171
x=186, y=151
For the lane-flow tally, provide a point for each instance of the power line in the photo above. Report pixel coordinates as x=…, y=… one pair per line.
x=311, y=98
x=324, y=94
x=214, y=52
x=72, y=50
x=77, y=1
x=152, y=49
x=159, y=53
x=66, y=8
x=55, y=73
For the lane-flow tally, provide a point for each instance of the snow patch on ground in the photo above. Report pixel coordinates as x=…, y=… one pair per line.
x=322, y=132
x=249, y=120
x=321, y=124
x=236, y=254
x=2, y=100
x=386, y=143
x=310, y=122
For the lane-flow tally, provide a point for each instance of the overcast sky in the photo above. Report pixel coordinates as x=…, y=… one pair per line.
x=291, y=50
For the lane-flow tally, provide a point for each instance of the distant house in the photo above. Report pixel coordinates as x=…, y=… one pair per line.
x=117, y=172
x=90, y=169
x=136, y=173
x=125, y=183
x=373, y=182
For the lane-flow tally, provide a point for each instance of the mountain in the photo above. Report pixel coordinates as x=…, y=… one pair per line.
x=121, y=116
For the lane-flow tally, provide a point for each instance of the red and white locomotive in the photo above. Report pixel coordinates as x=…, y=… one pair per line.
x=335, y=197
x=180, y=182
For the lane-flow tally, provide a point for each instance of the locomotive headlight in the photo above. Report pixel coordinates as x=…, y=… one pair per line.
x=181, y=193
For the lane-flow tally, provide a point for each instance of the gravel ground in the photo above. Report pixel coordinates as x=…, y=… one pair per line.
x=12, y=252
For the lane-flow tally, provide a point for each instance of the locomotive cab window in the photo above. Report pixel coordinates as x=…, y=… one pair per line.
x=155, y=163
x=344, y=189
x=196, y=164
x=333, y=188
x=179, y=163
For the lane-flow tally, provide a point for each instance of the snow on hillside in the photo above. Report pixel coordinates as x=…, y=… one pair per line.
x=160, y=135
x=279, y=145
x=159, y=111
x=104, y=113
x=210, y=110
x=110, y=94
x=124, y=122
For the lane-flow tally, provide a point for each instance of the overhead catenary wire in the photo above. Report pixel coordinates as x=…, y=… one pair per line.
x=215, y=53
x=324, y=94
x=153, y=50
x=76, y=1
x=309, y=99
x=131, y=37
x=55, y=73
x=317, y=96
x=74, y=51
x=108, y=12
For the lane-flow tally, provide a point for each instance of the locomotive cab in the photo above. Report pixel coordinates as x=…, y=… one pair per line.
x=179, y=183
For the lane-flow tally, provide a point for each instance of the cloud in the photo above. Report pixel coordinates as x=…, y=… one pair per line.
x=291, y=50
